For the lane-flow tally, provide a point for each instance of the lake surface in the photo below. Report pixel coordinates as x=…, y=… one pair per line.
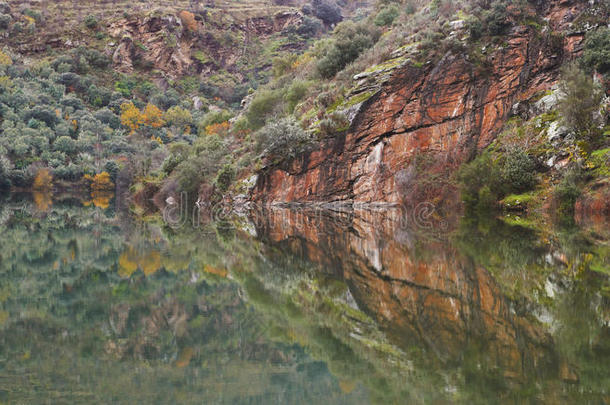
x=299, y=307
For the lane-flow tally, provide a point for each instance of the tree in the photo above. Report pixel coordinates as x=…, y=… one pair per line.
x=582, y=98
x=65, y=144
x=349, y=41
x=102, y=181
x=43, y=180
x=597, y=50
x=152, y=116
x=178, y=117
x=131, y=117
x=283, y=139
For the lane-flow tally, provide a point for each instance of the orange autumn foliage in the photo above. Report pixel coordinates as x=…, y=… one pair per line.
x=218, y=129
x=43, y=180
x=133, y=118
x=43, y=200
x=152, y=116
x=188, y=20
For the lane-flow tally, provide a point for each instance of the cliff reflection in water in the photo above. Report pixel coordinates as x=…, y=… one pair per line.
x=493, y=309
x=100, y=306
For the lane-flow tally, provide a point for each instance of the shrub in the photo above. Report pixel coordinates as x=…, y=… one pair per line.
x=496, y=18
x=106, y=116
x=264, y=104
x=474, y=27
x=5, y=170
x=5, y=20
x=43, y=180
x=65, y=144
x=582, y=98
x=113, y=169
x=91, y=22
x=327, y=11
x=42, y=113
x=200, y=167
x=282, y=139
x=225, y=177
x=335, y=123
x=567, y=192
x=597, y=50
x=518, y=171
x=212, y=118
x=74, y=102
x=295, y=93
x=480, y=182
x=349, y=41
x=309, y=27
x=386, y=16
x=178, y=117
x=283, y=64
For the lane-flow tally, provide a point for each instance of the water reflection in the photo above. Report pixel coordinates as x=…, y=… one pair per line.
x=296, y=307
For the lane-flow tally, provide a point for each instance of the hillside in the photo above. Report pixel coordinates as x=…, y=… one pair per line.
x=340, y=103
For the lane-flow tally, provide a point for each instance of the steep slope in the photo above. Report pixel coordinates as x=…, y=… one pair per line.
x=406, y=140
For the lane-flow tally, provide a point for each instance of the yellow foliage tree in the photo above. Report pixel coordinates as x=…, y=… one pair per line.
x=131, y=116
x=128, y=262
x=152, y=116
x=43, y=200
x=102, y=181
x=101, y=199
x=151, y=262
x=5, y=60
x=43, y=180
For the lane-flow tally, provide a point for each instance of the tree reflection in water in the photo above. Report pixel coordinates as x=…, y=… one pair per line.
x=314, y=307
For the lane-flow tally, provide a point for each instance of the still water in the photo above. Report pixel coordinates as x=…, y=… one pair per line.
x=98, y=306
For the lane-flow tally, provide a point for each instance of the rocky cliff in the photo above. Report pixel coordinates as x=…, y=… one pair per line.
x=422, y=122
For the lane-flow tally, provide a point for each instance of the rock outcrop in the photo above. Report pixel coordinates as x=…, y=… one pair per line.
x=182, y=44
x=406, y=140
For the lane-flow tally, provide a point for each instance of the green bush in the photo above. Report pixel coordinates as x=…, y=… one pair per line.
x=225, y=177
x=295, y=93
x=386, y=16
x=486, y=179
x=264, y=105
x=283, y=139
x=335, y=123
x=5, y=20
x=349, y=41
x=597, y=50
x=496, y=18
x=65, y=144
x=567, y=192
x=480, y=182
x=91, y=22
x=518, y=171
x=582, y=98
x=211, y=118
x=206, y=160
x=474, y=27
x=5, y=170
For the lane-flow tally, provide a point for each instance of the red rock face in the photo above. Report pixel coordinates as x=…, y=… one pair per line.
x=425, y=121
